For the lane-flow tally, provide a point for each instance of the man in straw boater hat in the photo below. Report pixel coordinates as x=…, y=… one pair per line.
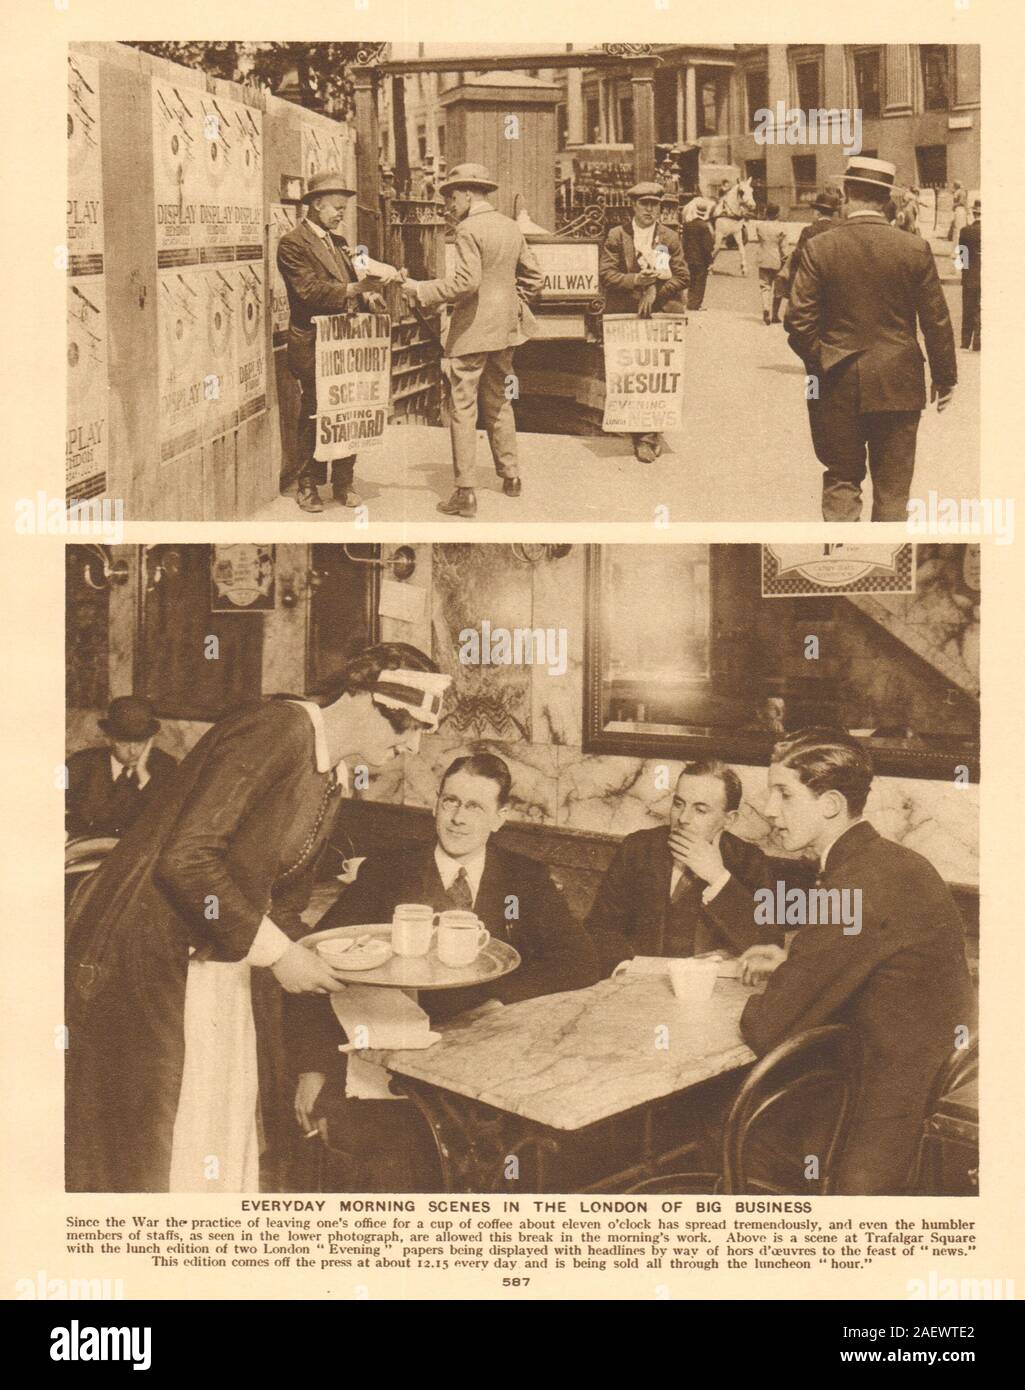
x=320, y=278
x=857, y=293
x=494, y=278
x=643, y=271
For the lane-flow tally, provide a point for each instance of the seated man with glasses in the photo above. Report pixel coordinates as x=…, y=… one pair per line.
x=513, y=896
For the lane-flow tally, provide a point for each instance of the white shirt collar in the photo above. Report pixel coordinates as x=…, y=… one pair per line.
x=141, y=770
x=323, y=757
x=865, y=212
x=823, y=856
x=317, y=230
x=449, y=868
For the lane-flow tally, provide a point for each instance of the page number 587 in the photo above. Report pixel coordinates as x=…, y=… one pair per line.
x=515, y=1283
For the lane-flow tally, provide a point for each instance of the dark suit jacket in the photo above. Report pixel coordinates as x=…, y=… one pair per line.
x=315, y=282
x=698, y=241
x=556, y=952
x=618, y=269
x=902, y=983
x=813, y=229
x=971, y=237
x=858, y=292
x=96, y=804
x=229, y=824
x=629, y=913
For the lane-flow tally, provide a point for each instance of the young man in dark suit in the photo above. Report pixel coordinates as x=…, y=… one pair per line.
x=642, y=270
x=109, y=786
x=897, y=974
x=513, y=896
x=688, y=887
x=319, y=278
x=857, y=297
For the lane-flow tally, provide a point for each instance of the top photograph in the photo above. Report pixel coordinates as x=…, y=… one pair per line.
x=373, y=283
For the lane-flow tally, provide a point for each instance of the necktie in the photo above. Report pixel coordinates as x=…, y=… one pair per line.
x=685, y=880
x=126, y=777
x=460, y=894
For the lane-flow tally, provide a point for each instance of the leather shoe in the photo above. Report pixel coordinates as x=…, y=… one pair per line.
x=463, y=502
x=512, y=487
x=644, y=452
x=344, y=493
x=309, y=498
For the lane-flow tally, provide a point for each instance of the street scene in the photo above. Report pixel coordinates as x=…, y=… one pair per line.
x=407, y=281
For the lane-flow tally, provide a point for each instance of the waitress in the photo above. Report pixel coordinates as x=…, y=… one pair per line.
x=168, y=941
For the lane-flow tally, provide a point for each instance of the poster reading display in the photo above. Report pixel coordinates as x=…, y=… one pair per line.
x=86, y=448
x=208, y=174
x=323, y=149
x=810, y=571
x=643, y=373
x=353, y=382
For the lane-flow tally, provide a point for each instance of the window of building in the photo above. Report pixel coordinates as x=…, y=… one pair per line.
x=708, y=107
x=592, y=128
x=932, y=166
x=804, y=166
x=421, y=141
x=757, y=84
x=935, y=76
x=440, y=138
x=809, y=86
x=867, y=81
x=626, y=120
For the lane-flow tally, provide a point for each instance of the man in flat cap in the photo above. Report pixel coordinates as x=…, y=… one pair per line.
x=857, y=295
x=643, y=271
x=320, y=278
x=494, y=279
x=108, y=786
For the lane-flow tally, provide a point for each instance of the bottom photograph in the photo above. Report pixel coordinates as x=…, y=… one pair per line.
x=522, y=868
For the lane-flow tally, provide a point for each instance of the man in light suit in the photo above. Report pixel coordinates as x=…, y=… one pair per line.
x=319, y=278
x=642, y=270
x=896, y=974
x=858, y=291
x=495, y=277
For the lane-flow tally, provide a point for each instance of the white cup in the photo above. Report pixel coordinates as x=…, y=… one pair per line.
x=461, y=937
x=693, y=980
x=412, y=928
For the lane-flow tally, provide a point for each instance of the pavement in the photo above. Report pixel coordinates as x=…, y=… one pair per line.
x=744, y=454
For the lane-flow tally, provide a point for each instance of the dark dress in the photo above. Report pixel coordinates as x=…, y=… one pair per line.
x=235, y=837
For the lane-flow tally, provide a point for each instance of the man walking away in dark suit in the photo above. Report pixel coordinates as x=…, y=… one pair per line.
x=319, y=278
x=857, y=296
x=893, y=969
x=698, y=241
x=495, y=277
x=687, y=888
x=970, y=259
x=513, y=896
x=642, y=271
x=827, y=204
x=108, y=786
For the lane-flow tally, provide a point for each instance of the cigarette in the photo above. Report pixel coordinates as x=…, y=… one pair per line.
x=311, y=1134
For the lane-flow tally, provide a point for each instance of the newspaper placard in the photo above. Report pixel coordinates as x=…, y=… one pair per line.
x=353, y=382
x=643, y=373
x=85, y=180
x=282, y=220
x=86, y=462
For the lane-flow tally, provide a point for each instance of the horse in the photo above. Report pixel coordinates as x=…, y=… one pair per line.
x=729, y=215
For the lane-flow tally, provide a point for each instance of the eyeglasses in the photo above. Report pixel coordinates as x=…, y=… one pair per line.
x=451, y=805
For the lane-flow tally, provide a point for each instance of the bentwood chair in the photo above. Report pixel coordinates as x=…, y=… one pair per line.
x=959, y=1069
x=817, y=1073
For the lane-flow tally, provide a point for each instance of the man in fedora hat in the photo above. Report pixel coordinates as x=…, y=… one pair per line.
x=494, y=279
x=857, y=296
x=969, y=258
x=827, y=203
x=320, y=278
x=643, y=271
x=108, y=786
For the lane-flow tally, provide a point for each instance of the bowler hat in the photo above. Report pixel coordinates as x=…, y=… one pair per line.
x=468, y=176
x=327, y=181
x=645, y=190
x=977, y=206
x=880, y=172
x=130, y=719
x=827, y=200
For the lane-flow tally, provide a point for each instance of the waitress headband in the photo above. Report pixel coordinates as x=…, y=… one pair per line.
x=419, y=692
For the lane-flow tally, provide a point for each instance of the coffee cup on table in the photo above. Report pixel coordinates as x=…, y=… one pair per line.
x=412, y=929
x=461, y=937
x=693, y=979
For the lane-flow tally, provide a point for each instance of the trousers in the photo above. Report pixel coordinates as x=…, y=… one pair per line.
x=842, y=435
x=312, y=471
x=971, y=317
x=483, y=375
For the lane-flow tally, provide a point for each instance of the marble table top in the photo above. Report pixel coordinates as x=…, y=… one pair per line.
x=569, y=1060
